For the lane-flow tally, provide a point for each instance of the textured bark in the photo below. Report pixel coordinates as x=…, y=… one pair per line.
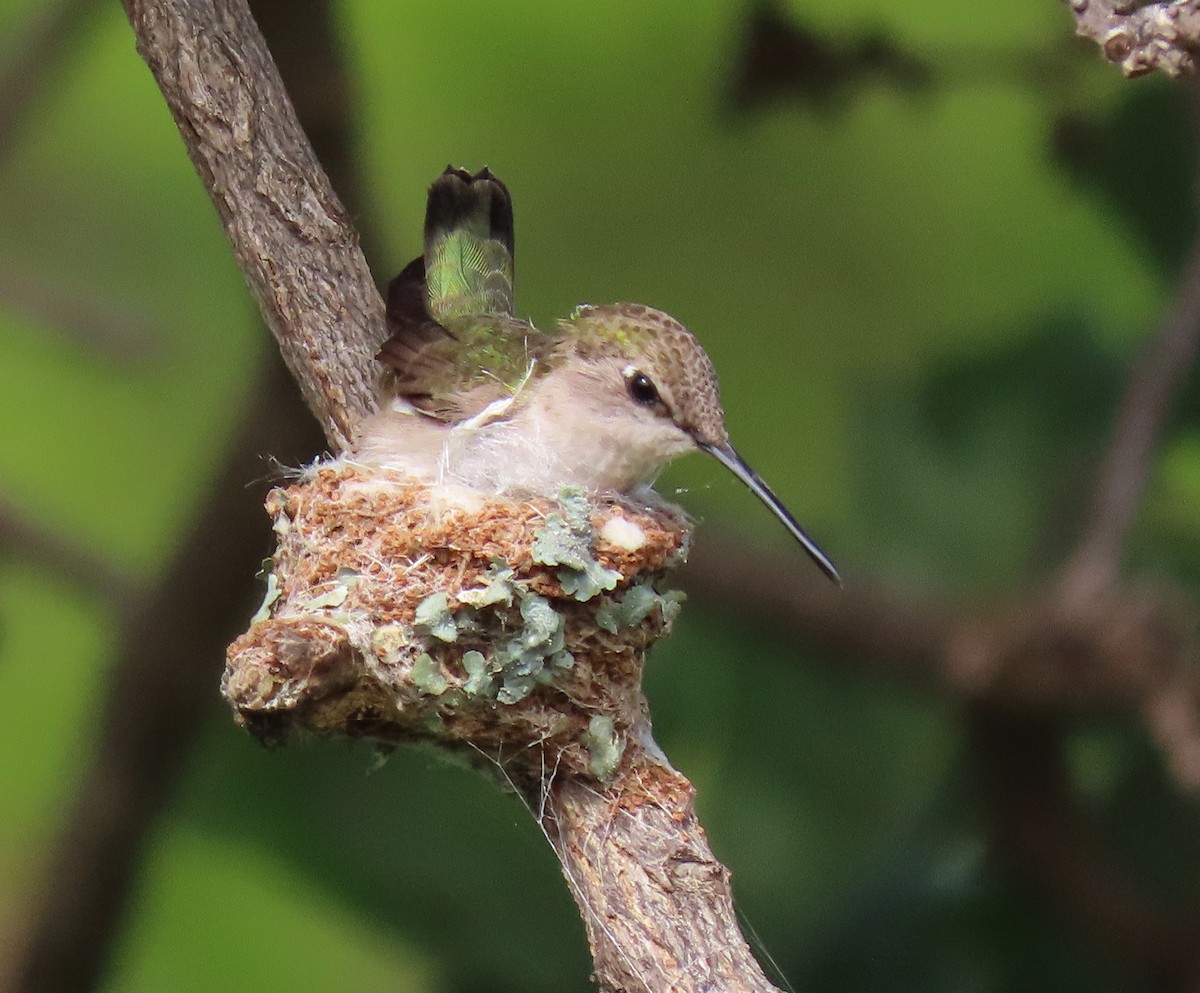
x=656, y=903
x=290, y=234
x=167, y=664
x=1141, y=37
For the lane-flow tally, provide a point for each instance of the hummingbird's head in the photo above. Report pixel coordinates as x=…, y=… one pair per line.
x=658, y=387
x=653, y=373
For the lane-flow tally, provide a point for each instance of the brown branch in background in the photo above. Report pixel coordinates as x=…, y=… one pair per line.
x=1035, y=824
x=103, y=327
x=33, y=52
x=167, y=668
x=1038, y=830
x=52, y=28
x=865, y=625
x=1156, y=381
x=780, y=56
x=290, y=234
x=1116, y=653
x=165, y=678
x=1141, y=37
x=21, y=537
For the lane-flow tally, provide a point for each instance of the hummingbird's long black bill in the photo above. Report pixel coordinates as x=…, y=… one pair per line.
x=737, y=465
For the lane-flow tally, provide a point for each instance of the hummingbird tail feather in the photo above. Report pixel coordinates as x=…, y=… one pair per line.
x=468, y=245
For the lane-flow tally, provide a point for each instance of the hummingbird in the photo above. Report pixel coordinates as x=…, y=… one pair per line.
x=478, y=397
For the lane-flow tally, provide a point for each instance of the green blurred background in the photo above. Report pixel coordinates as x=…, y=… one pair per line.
x=922, y=282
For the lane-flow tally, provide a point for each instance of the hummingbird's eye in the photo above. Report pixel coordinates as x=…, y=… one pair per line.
x=641, y=389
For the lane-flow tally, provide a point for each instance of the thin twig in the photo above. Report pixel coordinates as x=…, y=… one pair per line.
x=1152, y=388
x=102, y=326
x=34, y=53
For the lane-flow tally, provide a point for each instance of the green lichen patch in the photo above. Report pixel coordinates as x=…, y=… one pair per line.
x=621, y=613
x=603, y=746
x=339, y=589
x=427, y=675
x=433, y=616
x=566, y=540
x=333, y=597
x=520, y=662
x=680, y=555
x=479, y=680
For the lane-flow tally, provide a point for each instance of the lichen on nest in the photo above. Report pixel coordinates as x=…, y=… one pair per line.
x=394, y=612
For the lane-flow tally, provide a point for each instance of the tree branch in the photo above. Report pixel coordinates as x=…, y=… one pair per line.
x=290, y=234
x=1153, y=386
x=656, y=903
x=167, y=665
x=50, y=30
x=166, y=669
x=110, y=331
x=865, y=625
x=1141, y=37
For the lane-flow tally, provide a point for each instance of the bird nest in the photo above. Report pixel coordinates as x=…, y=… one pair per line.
x=400, y=611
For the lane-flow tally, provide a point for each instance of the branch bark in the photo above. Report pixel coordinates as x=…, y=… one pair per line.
x=290, y=234
x=655, y=901
x=1155, y=382
x=167, y=666
x=1141, y=37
